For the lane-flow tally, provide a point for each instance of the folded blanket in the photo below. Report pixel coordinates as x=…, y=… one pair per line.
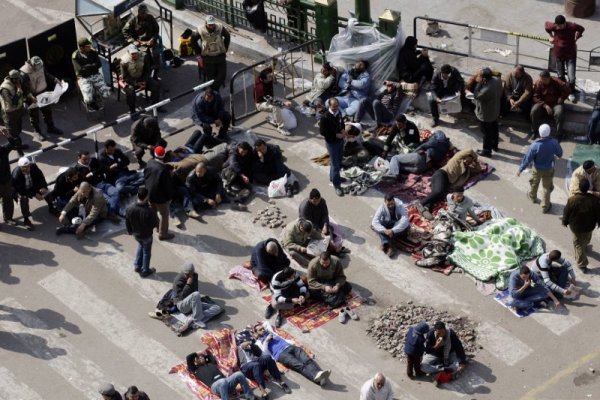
x=244, y=274
x=495, y=250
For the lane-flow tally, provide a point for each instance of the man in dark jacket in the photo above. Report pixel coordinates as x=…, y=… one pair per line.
x=268, y=258
x=208, y=109
x=413, y=65
x=314, y=209
x=404, y=134
x=187, y=299
x=86, y=64
x=65, y=186
x=133, y=393
x=446, y=82
x=115, y=165
x=205, y=187
x=94, y=173
x=582, y=215
x=549, y=95
x=237, y=170
x=145, y=135
x=488, y=96
x=108, y=392
x=332, y=128
x=159, y=181
x=414, y=347
x=140, y=220
x=289, y=290
x=267, y=163
x=385, y=107
x=6, y=186
x=443, y=349
x=29, y=182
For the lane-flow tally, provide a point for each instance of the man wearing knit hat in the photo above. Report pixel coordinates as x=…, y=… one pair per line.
x=108, y=392
x=161, y=187
x=542, y=154
x=86, y=64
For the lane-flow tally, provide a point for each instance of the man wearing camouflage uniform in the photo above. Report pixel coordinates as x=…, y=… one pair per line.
x=87, y=69
x=143, y=32
x=135, y=73
x=12, y=100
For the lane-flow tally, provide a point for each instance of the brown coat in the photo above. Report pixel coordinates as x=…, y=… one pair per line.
x=459, y=173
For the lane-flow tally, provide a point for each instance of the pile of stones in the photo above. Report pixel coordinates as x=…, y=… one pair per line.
x=390, y=327
x=271, y=217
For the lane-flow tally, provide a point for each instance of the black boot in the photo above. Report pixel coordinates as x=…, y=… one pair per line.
x=66, y=229
x=54, y=130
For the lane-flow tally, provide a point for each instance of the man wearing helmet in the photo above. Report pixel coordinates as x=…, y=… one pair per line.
x=12, y=101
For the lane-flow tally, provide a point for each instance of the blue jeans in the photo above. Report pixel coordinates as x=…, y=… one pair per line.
x=593, y=135
x=143, y=254
x=256, y=369
x=348, y=104
x=432, y=364
x=199, y=310
x=414, y=163
x=111, y=194
x=183, y=197
x=385, y=239
x=336, y=151
x=129, y=182
x=569, y=65
x=223, y=387
x=530, y=296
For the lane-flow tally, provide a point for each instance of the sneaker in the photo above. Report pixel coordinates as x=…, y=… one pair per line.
x=573, y=99
x=390, y=252
x=40, y=135
x=322, y=376
x=157, y=314
x=148, y=272
x=185, y=326
x=345, y=250
x=10, y=221
x=192, y=214
x=269, y=311
x=425, y=213
x=278, y=321
x=239, y=207
x=351, y=314
x=546, y=210
x=28, y=224
x=285, y=387
x=283, y=131
x=339, y=191
x=168, y=236
x=342, y=316
x=198, y=325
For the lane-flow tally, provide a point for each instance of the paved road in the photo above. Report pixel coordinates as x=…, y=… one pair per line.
x=73, y=313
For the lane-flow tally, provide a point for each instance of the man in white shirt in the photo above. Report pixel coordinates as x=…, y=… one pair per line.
x=377, y=388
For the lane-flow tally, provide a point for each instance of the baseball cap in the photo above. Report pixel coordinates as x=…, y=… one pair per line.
x=24, y=161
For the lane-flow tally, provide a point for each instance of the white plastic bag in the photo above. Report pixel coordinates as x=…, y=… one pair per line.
x=277, y=187
x=289, y=119
x=317, y=246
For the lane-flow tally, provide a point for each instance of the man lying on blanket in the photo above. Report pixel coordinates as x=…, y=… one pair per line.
x=204, y=367
x=289, y=355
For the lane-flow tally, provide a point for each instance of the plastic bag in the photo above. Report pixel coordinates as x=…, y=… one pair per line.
x=277, y=187
x=289, y=119
x=317, y=246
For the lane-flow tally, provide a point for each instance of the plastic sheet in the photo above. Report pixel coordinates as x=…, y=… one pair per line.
x=359, y=42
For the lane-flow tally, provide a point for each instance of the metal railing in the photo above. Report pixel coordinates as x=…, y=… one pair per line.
x=294, y=70
x=496, y=45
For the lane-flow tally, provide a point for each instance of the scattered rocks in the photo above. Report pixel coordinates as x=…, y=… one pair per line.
x=270, y=217
x=390, y=327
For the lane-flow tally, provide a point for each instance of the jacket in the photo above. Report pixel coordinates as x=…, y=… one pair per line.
x=318, y=276
x=518, y=89
x=181, y=289
x=383, y=215
x=249, y=355
x=262, y=89
x=143, y=30
x=86, y=66
x=320, y=85
x=284, y=290
x=95, y=205
x=206, y=187
x=391, y=99
x=133, y=71
x=140, y=220
x=63, y=188
x=488, y=97
x=455, y=83
x=556, y=91
x=330, y=125
x=318, y=215
x=578, y=175
x=204, y=112
x=458, y=173
x=141, y=395
x=208, y=373
x=38, y=181
x=542, y=153
x=240, y=164
x=11, y=98
x=582, y=213
x=158, y=181
x=360, y=85
x=455, y=346
x=543, y=267
x=5, y=175
x=214, y=43
x=414, y=342
x=94, y=168
x=435, y=148
x=142, y=136
x=36, y=81
x=265, y=264
x=119, y=158
x=409, y=136
x=271, y=166
x=369, y=392
x=293, y=239
x=564, y=46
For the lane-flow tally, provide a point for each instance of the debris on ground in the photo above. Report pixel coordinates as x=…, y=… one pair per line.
x=270, y=217
x=390, y=327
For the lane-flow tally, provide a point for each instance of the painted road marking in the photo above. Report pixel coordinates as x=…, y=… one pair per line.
x=11, y=388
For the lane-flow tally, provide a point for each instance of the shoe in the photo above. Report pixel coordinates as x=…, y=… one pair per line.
x=351, y=314
x=198, y=325
x=114, y=218
x=40, y=135
x=158, y=314
x=192, y=214
x=239, y=207
x=284, y=131
x=546, y=210
x=285, y=387
x=542, y=304
x=54, y=130
x=534, y=200
x=28, y=224
x=322, y=376
x=288, y=191
x=10, y=221
x=186, y=325
x=485, y=153
x=390, y=252
x=345, y=250
x=278, y=321
x=339, y=191
x=296, y=187
x=573, y=98
x=168, y=236
x=269, y=312
x=342, y=316
x=435, y=123
x=148, y=272
x=62, y=229
x=424, y=211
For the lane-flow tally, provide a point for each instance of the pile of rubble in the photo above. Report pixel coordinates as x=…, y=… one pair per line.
x=389, y=329
x=271, y=217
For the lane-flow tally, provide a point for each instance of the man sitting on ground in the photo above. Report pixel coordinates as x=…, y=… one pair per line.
x=288, y=290
x=267, y=259
x=208, y=109
x=314, y=209
x=460, y=205
x=289, y=355
x=355, y=153
x=203, y=366
x=391, y=223
x=295, y=238
x=116, y=171
x=403, y=137
x=527, y=289
x=29, y=182
x=254, y=363
x=355, y=84
x=237, y=170
x=65, y=187
x=76, y=219
x=92, y=171
x=385, y=107
x=145, y=135
x=267, y=163
x=556, y=278
x=205, y=187
x=327, y=283
x=443, y=350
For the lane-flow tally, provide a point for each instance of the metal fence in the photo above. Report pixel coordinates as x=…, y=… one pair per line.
x=497, y=45
x=293, y=69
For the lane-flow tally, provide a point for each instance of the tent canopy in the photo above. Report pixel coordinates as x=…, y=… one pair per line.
x=88, y=8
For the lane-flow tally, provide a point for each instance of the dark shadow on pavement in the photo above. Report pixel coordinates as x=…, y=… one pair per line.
x=51, y=318
x=33, y=345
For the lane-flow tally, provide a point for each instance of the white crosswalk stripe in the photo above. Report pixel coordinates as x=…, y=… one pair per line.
x=11, y=388
x=151, y=355
x=59, y=355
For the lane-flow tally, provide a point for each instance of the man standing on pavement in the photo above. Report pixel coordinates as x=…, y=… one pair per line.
x=488, y=96
x=6, y=186
x=213, y=48
x=541, y=153
x=140, y=220
x=564, y=36
x=582, y=215
x=159, y=181
x=332, y=128
x=12, y=102
x=549, y=94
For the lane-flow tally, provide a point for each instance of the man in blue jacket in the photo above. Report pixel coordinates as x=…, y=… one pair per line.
x=414, y=347
x=541, y=153
x=208, y=109
x=355, y=85
x=390, y=222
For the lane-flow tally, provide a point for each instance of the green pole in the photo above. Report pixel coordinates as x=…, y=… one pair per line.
x=362, y=9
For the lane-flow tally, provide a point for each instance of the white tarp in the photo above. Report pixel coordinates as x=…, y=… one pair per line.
x=47, y=98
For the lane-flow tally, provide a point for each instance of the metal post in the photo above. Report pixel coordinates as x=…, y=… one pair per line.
x=362, y=9
x=517, y=50
x=470, y=40
x=96, y=144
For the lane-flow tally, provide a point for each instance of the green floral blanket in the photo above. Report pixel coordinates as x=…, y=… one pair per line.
x=495, y=250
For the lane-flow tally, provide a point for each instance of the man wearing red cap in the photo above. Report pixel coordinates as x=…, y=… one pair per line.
x=159, y=182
